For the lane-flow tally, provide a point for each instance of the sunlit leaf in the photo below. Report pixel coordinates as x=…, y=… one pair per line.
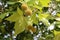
x=58, y=19
x=45, y=21
x=34, y=18
x=38, y=7
x=44, y=2
x=58, y=14
x=56, y=32
x=31, y=2
x=57, y=0
x=18, y=28
x=57, y=35
x=20, y=25
x=13, y=17
x=19, y=11
x=41, y=16
x=26, y=0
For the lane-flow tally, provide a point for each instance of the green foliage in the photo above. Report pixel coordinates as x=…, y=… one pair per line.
x=44, y=14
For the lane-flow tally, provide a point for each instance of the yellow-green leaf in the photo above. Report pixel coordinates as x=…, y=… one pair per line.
x=16, y=15
x=18, y=28
x=58, y=0
x=19, y=11
x=20, y=25
x=13, y=17
x=56, y=32
x=58, y=14
x=41, y=16
x=45, y=21
x=57, y=35
x=34, y=18
x=44, y=2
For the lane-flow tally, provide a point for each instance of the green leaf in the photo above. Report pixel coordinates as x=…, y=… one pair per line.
x=58, y=18
x=3, y=15
x=18, y=28
x=2, y=28
x=31, y=2
x=57, y=26
x=45, y=21
x=58, y=14
x=58, y=0
x=19, y=11
x=43, y=18
x=13, y=17
x=44, y=3
x=25, y=36
x=58, y=22
x=57, y=35
x=16, y=15
x=26, y=0
x=38, y=7
x=34, y=18
x=20, y=25
x=11, y=3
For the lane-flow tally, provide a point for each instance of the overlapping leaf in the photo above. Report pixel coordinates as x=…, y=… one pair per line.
x=43, y=18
